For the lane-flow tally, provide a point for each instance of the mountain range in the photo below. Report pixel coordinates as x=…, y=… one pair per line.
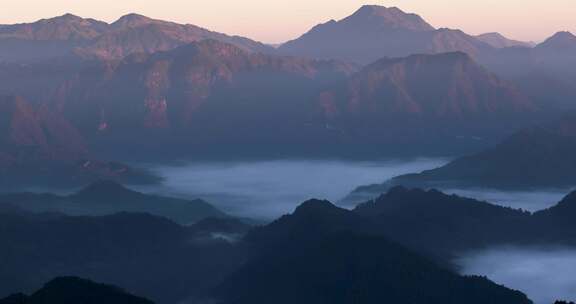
x=70, y=35
x=195, y=92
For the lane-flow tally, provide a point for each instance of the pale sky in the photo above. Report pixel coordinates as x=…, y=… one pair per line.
x=275, y=21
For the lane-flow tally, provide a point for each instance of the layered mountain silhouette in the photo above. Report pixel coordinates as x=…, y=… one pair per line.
x=320, y=253
x=323, y=254
x=374, y=31
x=147, y=255
x=107, y=197
x=537, y=157
x=73, y=290
x=446, y=225
x=70, y=35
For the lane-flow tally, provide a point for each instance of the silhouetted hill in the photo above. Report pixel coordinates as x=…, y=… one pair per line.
x=315, y=256
x=441, y=224
x=149, y=256
x=444, y=225
x=537, y=157
x=107, y=197
x=72, y=290
x=374, y=31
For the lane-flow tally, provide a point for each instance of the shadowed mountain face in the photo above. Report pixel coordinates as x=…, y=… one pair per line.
x=538, y=157
x=72, y=290
x=497, y=40
x=106, y=197
x=323, y=254
x=39, y=147
x=204, y=91
x=67, y=35
x=445, y=85
x=445, y=97
x=374, y=32
x=28, y=134
x=209, y=94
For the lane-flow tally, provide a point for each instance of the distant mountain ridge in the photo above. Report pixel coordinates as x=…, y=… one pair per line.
x=374, y=32
x=70, y=35
x=497, y=40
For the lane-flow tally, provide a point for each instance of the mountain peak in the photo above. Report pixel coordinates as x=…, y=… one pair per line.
x=388, y=17
x=68, y=16
x=560, y=41
x=314, y=206
x=498, y=40
x=132, y=20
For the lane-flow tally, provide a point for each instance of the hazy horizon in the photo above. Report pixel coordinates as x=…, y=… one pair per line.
x=271, y=22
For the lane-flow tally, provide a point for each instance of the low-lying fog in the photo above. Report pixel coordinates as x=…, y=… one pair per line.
x=544, y=274
x=268, y=189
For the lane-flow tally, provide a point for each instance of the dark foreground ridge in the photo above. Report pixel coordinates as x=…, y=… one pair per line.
x=72, y=290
